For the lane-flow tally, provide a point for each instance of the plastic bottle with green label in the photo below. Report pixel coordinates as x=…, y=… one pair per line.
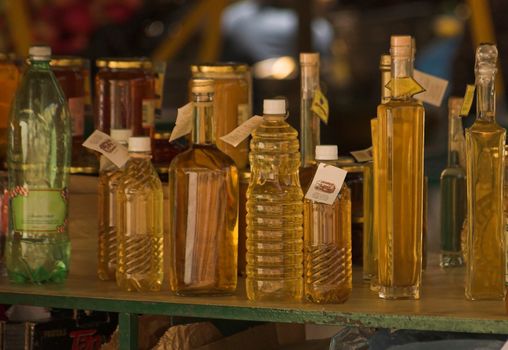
x=38, y=156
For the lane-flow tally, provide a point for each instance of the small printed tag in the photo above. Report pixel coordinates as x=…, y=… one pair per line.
x=363, y=155
x=235, y=137
x=468, y=101
x=320, y=106
x=108, y=147
x=183, y=125
x=435, y=88
x=326, y=184
x=405, y=86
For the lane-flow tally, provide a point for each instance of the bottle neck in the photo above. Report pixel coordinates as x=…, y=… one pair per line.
x=203, y=132
x=140, y=155
x=40, y=64
x=386, y=75
x=402, y=68
x=309, y=80
x=485, y=97
x=454, y=132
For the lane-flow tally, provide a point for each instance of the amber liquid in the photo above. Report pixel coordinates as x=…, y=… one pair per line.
x=203, y=192
x=400, y=183
x=9, y=79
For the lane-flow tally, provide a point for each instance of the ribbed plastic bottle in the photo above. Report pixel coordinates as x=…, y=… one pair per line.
x=274, y=210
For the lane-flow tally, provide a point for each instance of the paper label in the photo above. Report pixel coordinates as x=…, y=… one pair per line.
x=35, y=210
x=108, y=147
x=148, y=112
x=326, y=184
x=238, y=135
x=405, y=86
x=243, y=113
x=77, y=110
x=183, y=125
x=468, y=101
x=320, y=106
x=363, y=155
x=435, y=88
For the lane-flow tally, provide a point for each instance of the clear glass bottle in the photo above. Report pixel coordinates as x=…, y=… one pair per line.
x=309, y=121
x=453, y=190
x=274, y=210
x=327, y=242
x=109, y=177
x=485, y=141
x=203, y=202
x=39, y=153
x=400, y=180
x=139, y=222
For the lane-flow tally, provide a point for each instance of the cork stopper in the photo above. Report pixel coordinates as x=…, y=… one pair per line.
x=309, y=58
x=202, y=86
x=385, y=62
x=401, y=46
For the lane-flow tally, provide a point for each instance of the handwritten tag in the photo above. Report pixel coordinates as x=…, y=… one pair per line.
x=183, y=125
x=468, y=101
x=363, y=155
x=435, y=88
x=239, y=134
x=320, y=106
x=108, y=147
x=326, y=184
x=404, y=86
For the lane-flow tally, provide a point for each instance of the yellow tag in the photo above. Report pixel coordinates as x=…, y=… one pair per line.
x=320, y=106
x=468, y=101
x=405, y=86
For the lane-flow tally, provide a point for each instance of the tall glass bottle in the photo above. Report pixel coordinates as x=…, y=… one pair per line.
x=309, y=121
x=39, y=151
x=139, y=222
x=203, y=202
x=453, y=190
x=485, y=141
x=400, y=180
x=274, y=210
x=109, y=177
x=327, y=242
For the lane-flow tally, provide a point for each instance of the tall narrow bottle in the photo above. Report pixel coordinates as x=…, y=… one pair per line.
x=139, y=222
x=309, y=121
x=39, y=151
x=400, y=180
x=453, y=190
x=203, y=201
x=109, y=177
x=327, y=242
x=485, y=141
x=274, y=210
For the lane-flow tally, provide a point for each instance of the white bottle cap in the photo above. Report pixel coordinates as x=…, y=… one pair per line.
x=140, y=144
x=120, y=135
x=39, y=52
x=327, y=152
x=274, y=106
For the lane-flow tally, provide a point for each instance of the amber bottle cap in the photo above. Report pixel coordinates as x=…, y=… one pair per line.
x=203, y=86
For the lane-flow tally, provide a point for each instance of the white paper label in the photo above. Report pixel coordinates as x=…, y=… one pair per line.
x=435, y=88
x=235, y=137
x=108, y=147
x=326, y=184
x=183, y=125
x=363, y=155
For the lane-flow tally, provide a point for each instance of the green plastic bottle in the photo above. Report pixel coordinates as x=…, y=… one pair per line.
x=38, y=156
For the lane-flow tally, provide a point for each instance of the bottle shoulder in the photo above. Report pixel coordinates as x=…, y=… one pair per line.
x=481, y=126
x=456, y=172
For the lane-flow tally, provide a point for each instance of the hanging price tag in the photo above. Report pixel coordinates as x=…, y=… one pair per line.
x=326, y=184
x=435, y=88
x=405, y=86
x=108, y=147
x=240, y=133
x=468, y=101
x=320, y=106
x=363, y=155
x=183, y=125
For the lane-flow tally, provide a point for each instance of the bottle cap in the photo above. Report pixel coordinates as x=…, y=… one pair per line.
x=39, y=52
x=274, y=106
x=202, y=86
x=327, y=152
x=120, y=135
x=385, y=61
x=309, y=58
x=140, y=144
x=401, y=46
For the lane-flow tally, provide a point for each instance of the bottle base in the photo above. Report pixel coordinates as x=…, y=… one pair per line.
x=135, y=285
x=209, y=292
x=274, y=290
x=408, y=292
x=374, y=284
x=451, y=260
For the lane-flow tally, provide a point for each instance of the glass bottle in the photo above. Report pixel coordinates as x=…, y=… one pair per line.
x=139, y=220
x=109, y=177
x=309, y=121
x=39, y=151
x=9, y=79
x=203, y=202
x=327, y=242
x=453, y=190
x=274, y=210
x=485, y=141
x=400, y=180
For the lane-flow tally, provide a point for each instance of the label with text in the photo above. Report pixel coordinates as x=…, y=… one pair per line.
x=435, y=88
x=183, y=125
x=239, y=134
x=108, y=147
x=320, y=106
x=326, y=184
x=364, y=155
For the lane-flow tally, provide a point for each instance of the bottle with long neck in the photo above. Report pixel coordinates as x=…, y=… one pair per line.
x=309, y=121
x=453, y=190
x=203, y=202
x=400, y=180
x=485, y=141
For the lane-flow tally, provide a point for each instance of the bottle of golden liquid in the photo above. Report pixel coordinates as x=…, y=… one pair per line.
x=309, y=121
x=203, y=202
x=274, y=210
x=485, y=141
x=400, y=180
x=109, y=177
x=139, y=222
x=327, y=242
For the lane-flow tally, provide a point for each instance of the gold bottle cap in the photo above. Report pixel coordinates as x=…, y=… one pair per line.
x=401, y=46
x=220, y=67
x=309, y=58
x=124, y=63
x=68, y=61
x=202, y=86
x=385, y=61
